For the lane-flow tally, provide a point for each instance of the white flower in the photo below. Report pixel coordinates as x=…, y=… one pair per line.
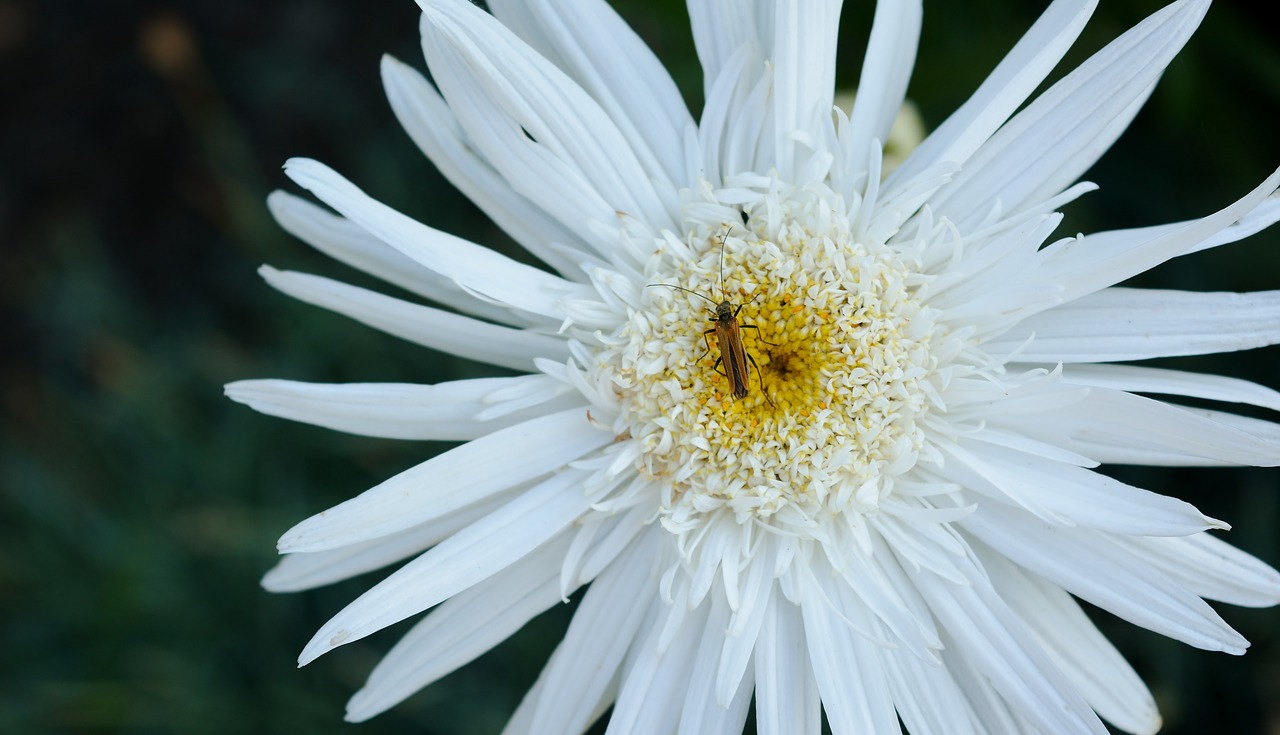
x=892, y=515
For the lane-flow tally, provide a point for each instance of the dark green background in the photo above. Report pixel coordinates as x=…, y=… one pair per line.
x=137, y=143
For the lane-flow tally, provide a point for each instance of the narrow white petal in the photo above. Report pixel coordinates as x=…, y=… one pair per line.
x=701, y=713
x=996, y=643
x=721, y=28
x=886, y=68
x=1078, y=114
x=1118, y=324
x=463, y=560
x=440, y=330
x=591, y=43
x=1117, y=427
x=1067, y=495
x=521, y=723
x=744, y=629
x=1136, y=379
x=656, y=679
x=804, y=56
x=475, y=268
x=423, y=114
x=346, y=242
x=1094, y=667
x=511, y=100
x=460, y=629
x=309, y=569
x=1085, y=265
x=926, y=696
x=1256, y=220
x=787, y=699
x=455, y=479
x=1211, y=568
x=1091, y=566
x=442, y=412
x=603, y=629
x=1005, y=89
x=855, y=695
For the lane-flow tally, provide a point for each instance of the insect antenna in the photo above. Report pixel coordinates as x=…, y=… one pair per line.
x=686, y=290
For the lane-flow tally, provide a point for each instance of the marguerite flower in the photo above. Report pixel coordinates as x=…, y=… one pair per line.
x=888, y=508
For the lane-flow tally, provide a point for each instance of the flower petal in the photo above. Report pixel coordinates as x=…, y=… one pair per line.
x=461, y=561
x=721, y=28
x=443, y=412
x=1066, y=495
x=591, y=43
x=427, y=119
x=804, y=78
x=1136, y=379
x=310, y=569
x=1117, y=324
x=886, y=68
x=991, y=638
x=1211, y=568
x=1096, y=568
x=1093, y=666
x=1088, y=264
x=440, y=330
x=461, y=629
x=345, y=241
x=455, y=479
x=787, y=698
x=1117, y=427
x=1003, y=91
x=546, y=135
x=604, y=628
x=474, y=268
x=1082, y=114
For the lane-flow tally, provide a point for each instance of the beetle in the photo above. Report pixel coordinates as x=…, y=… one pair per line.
x=733, y=355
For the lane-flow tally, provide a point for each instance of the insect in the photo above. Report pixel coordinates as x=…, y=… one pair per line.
x=733, y=356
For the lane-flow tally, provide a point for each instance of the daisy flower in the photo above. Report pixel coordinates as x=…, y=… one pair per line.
x=870, y=492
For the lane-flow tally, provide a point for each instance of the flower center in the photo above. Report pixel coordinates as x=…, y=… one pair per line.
x=778, y=363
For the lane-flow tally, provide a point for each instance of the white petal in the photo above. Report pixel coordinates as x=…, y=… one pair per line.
x=804, y=56
x=475, y=268
x=440, y=330
x=423, y=114
x=722, y=28
x=1067, y=495
x=307, y=570
x=345, y=241
x=1091, y=263
x=701, y=713
x=465, y=559
x=656, y=679
x=515, y=104
x=590, y=42
x=1091, y=566
x=1116, y=427
x=443, y=412
x=603, y=629
x=886, y=68
x=1003, y=91
x=992, y=639
x=460, y=629
x=854, y=693
x=1173, y=382
x=1079, y=115
x=926, y=696
x=787, y=699
x=452, y=480
x=1118, y=324
x=1094, y=667
x=1211, y=568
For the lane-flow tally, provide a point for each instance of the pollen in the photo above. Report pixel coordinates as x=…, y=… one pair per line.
x=839, y=366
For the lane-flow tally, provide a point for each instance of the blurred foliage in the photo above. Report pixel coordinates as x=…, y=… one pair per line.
x=137, y=143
